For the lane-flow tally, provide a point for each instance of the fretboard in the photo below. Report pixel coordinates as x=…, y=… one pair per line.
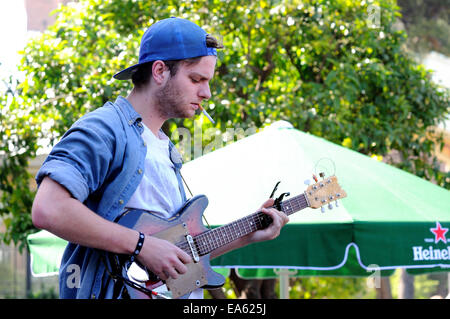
x=212, y=239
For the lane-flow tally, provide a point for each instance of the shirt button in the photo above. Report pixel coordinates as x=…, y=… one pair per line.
x=140, y=124
x=145, y=143
x=140, y=171
x=120, y=201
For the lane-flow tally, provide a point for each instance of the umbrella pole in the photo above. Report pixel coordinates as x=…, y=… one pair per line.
x=283, y=277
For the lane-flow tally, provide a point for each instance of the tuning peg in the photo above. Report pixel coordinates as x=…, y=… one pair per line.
x=330, y=206
x=307, y=182
x=337, y=204
x=322, y=209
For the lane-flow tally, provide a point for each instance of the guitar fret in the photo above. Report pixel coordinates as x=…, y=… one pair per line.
x=218, y=237
x=294, y=204
x=212, y=239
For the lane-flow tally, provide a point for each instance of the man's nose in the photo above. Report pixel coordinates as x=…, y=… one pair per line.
x=205, y=92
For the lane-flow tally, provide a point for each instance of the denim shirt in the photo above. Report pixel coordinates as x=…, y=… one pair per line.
x=100, y=161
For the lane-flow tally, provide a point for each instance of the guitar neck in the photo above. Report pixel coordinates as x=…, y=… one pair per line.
x=218, y=237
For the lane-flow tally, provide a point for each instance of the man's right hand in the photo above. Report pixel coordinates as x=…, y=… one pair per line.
x=163, y=258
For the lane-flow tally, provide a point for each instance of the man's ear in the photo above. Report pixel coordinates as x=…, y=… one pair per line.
x=160, y=72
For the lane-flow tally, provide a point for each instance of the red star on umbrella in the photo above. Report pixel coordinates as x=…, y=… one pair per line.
x=439, y=233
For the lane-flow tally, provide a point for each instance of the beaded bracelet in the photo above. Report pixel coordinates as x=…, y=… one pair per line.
x=138, y=248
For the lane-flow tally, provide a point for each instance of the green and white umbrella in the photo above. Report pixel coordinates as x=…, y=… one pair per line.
x=391, y=219
x=46, y=251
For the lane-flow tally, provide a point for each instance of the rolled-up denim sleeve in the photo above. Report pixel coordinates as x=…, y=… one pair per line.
x=81, y=159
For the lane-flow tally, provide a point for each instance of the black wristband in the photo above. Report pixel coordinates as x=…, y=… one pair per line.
x=138, y=248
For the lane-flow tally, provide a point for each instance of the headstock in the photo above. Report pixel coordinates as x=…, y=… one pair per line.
x=324, y=192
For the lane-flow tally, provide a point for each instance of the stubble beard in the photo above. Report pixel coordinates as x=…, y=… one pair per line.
x=170, y=102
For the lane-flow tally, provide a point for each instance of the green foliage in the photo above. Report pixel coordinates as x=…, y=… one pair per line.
x=319, y=64
x=44, y=293
x=425, y=285
x=17, y=146
x=329, y=288
x=316, y=288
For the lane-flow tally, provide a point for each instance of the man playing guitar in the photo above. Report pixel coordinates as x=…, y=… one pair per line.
x=117, y=157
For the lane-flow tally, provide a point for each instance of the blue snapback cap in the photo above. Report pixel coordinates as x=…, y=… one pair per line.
x=170, y=39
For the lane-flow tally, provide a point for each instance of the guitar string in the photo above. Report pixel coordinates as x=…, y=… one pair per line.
x=244, y=226
x=230, y=231
x=209, y=240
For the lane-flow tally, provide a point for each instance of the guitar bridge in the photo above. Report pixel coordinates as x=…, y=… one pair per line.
x=191, y=244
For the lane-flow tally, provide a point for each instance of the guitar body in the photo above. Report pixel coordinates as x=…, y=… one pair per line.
x=187, y=222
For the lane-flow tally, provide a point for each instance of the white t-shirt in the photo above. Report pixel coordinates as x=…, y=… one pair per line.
x=158, y=190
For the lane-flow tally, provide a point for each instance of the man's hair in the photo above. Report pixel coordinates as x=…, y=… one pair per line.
x=142, y=75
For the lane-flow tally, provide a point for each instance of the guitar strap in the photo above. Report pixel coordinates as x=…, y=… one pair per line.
x=177, y=160
x=184, y=181
x=203, y=215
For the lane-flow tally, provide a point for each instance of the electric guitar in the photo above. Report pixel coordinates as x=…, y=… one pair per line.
x=186, y=230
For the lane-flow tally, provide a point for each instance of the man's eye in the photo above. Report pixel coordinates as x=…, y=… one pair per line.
x=195, y=81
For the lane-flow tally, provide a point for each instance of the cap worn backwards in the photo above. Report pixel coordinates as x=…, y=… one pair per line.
x=170, y=39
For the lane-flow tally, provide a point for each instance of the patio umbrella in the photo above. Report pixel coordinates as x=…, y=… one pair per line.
x=391, y=219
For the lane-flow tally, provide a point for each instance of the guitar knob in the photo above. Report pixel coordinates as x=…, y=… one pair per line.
x=307, y=182
x=322, y=209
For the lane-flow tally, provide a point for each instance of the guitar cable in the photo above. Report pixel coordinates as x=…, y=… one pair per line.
x=129, y=282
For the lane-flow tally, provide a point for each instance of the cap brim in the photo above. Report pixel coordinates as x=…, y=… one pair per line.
x=126, y=73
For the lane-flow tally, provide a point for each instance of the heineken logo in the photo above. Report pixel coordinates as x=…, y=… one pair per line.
x=439, y=233
x=430, y=252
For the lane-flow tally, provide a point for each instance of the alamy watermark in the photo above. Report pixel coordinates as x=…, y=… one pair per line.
x=374, y=280
x=192, y=146
x=74, y=278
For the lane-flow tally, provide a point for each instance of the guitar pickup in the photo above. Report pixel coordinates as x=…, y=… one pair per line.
x=191, y=244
